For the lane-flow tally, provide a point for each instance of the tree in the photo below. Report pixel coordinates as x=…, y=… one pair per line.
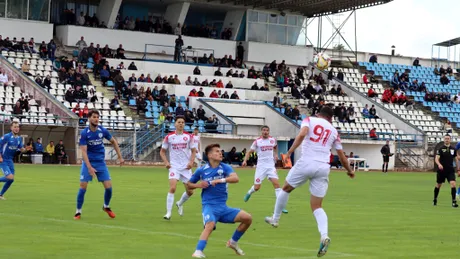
x=339, y=47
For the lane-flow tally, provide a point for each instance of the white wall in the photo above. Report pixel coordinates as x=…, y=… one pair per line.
x=266, y=53
x=184, y=68
x=176, y=13
x=370, y=150
x=135, y=41
x=233, y=20
x=40, y=31
x=184, y=90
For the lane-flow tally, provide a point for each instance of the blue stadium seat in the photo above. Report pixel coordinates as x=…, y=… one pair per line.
x=148, y=115
x=132, y=102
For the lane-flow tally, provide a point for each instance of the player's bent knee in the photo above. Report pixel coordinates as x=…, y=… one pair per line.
x=210, y=226
x=257, y=187
x=172, y=190
x=189, y=192
x=10, y=177
x=83, y=185
x=244, y=217
x=287, y=187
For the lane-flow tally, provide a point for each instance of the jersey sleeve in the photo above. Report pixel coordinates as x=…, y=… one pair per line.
x=107, y=134
x=305, y=123
x=439, y=153
x=165, y=144
x=5, y=139
x=83, y=135
x=196, y=176
x=254, y=145
x=193, y=143
x=338, y=143
x=276, y=143
x=227, y=169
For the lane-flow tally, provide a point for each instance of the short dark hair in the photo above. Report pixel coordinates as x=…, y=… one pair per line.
x=14, y=122
x=210, y=147
x=326, y=112
x=447, y=135
x=180, y=117
x=196, y=128
x=264, y=127
x=90, y=113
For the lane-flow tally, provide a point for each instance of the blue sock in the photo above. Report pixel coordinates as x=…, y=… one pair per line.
x=3, y=179
x=107, y=196
x=458, y=190
x=6, y=186
x=237, y=235
x=80, y=198
x=201, y=245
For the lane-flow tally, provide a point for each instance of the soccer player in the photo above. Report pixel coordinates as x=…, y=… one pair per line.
x=213, y=179
x=196, y=139
x=93, y=166
x=445, y=161
x=317, y=136
x=267, y=152
x=182, y=153
x=10, y=143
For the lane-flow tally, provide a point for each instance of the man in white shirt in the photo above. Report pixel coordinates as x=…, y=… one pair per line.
x=197, y=143
x=266, y=149
x=182, y=151
x=81, y=44
x=3, y=78
x=317, y=137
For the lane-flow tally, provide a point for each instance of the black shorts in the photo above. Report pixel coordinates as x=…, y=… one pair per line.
x=386, y=159
x=444, y=175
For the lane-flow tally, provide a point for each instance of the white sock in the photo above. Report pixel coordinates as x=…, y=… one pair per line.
x=281, y=202
x=321, y=219
x=183, y=199
x=169, y=203
x=252, y=190
x=277, y=192
x=78, y=211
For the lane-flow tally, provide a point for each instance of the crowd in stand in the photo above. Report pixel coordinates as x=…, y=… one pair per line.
x=146, y=24
x=51, y=153
x=45, y=50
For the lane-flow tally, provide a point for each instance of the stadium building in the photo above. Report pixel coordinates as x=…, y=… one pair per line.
x=242, y=45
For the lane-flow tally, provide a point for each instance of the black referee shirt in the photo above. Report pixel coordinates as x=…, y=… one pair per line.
x=446, y=156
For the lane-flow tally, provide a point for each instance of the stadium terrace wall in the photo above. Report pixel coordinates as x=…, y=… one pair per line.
x=37, y=92
x=40, y=31
x=135, y=42
x=370, y=150
x=184, y=90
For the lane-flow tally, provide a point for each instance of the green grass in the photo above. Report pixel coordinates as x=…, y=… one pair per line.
x=372, y=216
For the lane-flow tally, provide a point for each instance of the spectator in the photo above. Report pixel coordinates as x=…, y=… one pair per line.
x=340, y=75
x=373, y=59
x=132, y=66
x=277, y=100
x=25, y=67
x=213, y=94
x=218, y=72
x=201, y=113
x=373, y=112
x=365, y=111
x=240, y=51
x=442, y=70
x=416, y=63
x=141, y=105
x=233, y=157
x=197, y=71
x=49, y=153
x=3, y=78
x=51, y=49
x=225, y=95
x=179, y=43
x=120, y=52
x=435, y=70
x=449, y=71
x=444, y=80
x=180, y=110
x=373, y=134
x=178, y=29
x=365, y=80
x=371, y=93
x=165, y=110
x=234, y=96
x=38, y=146
x=229, y=85
x=81, y=19
x=81, y=44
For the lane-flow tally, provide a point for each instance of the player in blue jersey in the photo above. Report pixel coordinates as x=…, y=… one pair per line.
x=10, y=144
x=93, y=166
x=214, y=178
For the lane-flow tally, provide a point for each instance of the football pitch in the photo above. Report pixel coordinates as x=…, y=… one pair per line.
x=371, y=216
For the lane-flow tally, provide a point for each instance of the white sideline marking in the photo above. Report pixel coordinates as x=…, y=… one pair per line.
x=338, y=254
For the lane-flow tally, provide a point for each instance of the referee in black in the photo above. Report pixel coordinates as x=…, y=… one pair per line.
x=386, y=153
x=445, y=160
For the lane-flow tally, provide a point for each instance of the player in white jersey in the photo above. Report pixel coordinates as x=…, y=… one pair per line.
x=197, y=141
x=317, y=136
x=182, y=151
x=266, y=148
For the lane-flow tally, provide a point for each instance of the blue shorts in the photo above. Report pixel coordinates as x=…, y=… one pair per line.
x=7, y=167
x=219, y=213
x=102, y=172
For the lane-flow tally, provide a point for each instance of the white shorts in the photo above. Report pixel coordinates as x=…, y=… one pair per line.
x=262, y=173
x=316, y=172
x=183, y=175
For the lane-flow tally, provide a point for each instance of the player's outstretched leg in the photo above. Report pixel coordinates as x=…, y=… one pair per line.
x=8, y=180
x=246, y=221
x=321, y=220
x=276, y=185
x=170, y=198
x=185, y=196
x=80, y=199
x=252, y=190
x=280, y=204
x=201, y=245
x=107, y=198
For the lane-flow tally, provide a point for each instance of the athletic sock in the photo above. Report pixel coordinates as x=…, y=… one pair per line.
x=6, y=186
x=169, y=203
x=201, y=245
x=80, y=198
x=383, y=168
x=107, y=197
x=386, y=168
x=436, y=192
x=453, y=191
x=237, y=235
x=252, y=190
x=321, y=220
x=277, y=192
x=183, y=199
x=281, y=202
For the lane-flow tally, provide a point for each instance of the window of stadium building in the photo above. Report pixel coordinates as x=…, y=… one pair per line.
x=277, y=29
x=36, y=10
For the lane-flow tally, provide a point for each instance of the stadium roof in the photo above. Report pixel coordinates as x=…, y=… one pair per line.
x=309, y=8
x=448, y=43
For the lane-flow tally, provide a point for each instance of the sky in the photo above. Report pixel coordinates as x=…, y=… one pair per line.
x=412, y=26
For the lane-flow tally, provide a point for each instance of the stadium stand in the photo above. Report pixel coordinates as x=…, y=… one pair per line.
x=417, y=76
